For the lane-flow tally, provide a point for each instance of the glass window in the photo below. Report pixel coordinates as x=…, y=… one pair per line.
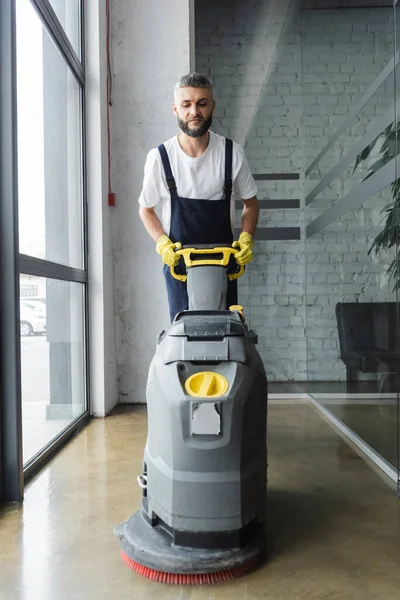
x=49, y=146
x=52, y=358
x=69, y=14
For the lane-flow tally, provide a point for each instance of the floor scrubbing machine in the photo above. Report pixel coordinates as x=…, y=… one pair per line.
x=204, y=476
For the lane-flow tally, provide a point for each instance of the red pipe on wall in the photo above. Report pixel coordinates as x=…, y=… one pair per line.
x=111, y=195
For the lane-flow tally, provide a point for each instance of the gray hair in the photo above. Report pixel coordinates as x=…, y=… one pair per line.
x=194, y=80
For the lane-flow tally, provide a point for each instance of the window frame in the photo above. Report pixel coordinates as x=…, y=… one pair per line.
x=13, y=473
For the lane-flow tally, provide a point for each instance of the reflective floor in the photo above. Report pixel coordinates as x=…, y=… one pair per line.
x=374, y=422
x=333, y=523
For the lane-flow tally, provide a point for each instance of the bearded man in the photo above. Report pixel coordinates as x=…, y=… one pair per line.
x=196, y=176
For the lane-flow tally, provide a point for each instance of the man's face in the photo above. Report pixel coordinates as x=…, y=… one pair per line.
x=194, y=108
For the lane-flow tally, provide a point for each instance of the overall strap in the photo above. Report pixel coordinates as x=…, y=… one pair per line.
x=228, y=169
x=167, y=168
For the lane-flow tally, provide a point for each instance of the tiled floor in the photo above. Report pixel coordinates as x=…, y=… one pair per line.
x=333, y=523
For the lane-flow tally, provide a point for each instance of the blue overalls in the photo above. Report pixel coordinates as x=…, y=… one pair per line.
x=195, y=221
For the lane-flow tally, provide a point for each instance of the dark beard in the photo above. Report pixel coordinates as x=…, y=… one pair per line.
x=195, y=132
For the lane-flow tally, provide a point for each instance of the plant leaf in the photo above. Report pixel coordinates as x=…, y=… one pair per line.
x=364, y=154
x=378, y=164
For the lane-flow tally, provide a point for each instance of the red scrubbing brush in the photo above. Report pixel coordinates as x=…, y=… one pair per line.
x=187, y=578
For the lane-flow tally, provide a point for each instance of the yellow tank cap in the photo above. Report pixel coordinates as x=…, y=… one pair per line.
x=206, y=384
x=239, y=309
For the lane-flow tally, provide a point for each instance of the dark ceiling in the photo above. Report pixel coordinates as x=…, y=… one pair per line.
x=320, y=4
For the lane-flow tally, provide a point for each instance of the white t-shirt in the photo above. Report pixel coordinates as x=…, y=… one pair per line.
x=201, y=177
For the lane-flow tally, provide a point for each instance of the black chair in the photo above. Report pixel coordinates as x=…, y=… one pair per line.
x=368, y=337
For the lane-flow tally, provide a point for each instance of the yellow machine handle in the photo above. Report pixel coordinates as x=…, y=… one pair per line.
x=226, y=253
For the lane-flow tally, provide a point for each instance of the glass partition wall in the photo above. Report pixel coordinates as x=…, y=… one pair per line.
x=310, y=89
x=350, y=70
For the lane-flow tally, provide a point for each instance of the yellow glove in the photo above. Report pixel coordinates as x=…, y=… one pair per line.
x=246, y=244
x=166, y=248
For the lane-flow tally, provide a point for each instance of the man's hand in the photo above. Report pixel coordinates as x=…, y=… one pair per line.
x=166, y=248
x=246, y=244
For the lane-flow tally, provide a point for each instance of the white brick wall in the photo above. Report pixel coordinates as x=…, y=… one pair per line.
x=283, y=118
x=150, y=51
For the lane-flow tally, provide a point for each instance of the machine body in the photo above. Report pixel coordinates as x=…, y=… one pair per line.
x=204, y=476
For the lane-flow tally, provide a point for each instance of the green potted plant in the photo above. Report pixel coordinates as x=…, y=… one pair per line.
x=389, y=237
